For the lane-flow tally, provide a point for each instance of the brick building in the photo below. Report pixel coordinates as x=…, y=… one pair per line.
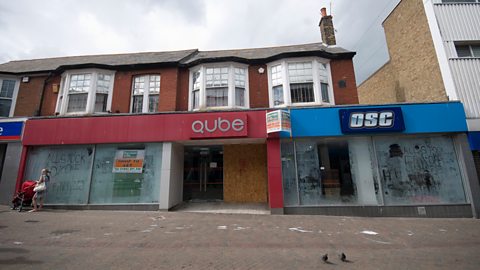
x=276, y=126
x=434, y=49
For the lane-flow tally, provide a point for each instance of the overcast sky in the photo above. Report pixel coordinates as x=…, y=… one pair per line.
x=37, y=29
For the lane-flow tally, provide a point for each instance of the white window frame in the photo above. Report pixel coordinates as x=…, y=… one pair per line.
x=14, y=94
x=286, y=82
x=231, y=86
x=62, y=99
x=146, y=91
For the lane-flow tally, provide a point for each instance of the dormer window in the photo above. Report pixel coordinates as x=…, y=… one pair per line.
x=299, y=82
x=85, y=91
x=217, y=86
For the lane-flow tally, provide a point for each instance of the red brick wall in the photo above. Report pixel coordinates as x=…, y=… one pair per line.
x=50, y=98
x=182, y=93
x=122, y=89
x=258, y=86
x=343, y=70
x=28, y=98
x=174, y=92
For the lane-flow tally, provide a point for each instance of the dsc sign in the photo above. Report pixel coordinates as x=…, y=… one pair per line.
x=372, y=120
x=219, y=126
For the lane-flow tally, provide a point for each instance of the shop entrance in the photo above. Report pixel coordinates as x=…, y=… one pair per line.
x=203, y=173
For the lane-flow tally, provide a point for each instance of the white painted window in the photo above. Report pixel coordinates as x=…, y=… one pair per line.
x=219, y=86
x=145, y=94
x=8, y=95
x=85, y=91
x=277, y=85
x=301, y=81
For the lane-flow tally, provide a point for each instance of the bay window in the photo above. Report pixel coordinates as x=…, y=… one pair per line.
x=85, y=91
x=8, y=94
x=299, y=82
x=218, y=86
x=145, y=93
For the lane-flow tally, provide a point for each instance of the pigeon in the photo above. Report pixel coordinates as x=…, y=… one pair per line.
x=325, y=258
x=343, y=257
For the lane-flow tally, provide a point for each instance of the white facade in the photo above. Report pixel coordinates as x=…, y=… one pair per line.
x=455, y=25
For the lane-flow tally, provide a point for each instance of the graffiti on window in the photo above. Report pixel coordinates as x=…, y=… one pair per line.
x=419, y=170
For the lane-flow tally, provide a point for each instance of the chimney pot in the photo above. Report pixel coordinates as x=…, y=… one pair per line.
x=324, y=12
x=326, y=28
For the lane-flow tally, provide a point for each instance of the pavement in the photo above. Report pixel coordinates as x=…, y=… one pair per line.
x=66, y=239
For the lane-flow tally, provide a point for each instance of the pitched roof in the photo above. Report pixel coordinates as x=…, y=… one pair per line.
x=269, y=53
x=185, y=57
x=50, y=64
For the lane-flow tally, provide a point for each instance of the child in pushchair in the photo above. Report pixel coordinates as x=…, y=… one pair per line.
x=25, y=196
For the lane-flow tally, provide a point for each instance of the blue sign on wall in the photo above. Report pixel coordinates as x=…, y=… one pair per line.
x=11, y=130
x=371, y=120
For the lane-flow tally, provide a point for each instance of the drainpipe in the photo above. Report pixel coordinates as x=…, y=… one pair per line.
x=43, y=93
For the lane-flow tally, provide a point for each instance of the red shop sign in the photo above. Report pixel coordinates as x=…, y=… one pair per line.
x=215, y=126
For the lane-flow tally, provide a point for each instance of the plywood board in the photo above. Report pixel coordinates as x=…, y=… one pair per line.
x=245, y=173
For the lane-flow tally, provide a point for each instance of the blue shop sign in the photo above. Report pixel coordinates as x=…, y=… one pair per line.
x=11, y=131
x=371, y=120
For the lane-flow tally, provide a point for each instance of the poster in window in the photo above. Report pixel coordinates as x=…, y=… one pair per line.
x=129, y=161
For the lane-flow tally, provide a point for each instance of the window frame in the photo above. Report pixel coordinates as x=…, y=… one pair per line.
x=63, y=95
x=470, y=48
x=146, y=92
x=317, y=91
x=231, y=86
x=14, y=94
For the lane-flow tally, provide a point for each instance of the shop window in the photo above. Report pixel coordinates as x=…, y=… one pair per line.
x=219, y=86
x=70, y=172
x=421, y=170
x=328, y=172
x=299, y=82
x=85, y=91
x=73, y=181
x=8, y=94
x=112, y=185
x=145, y=94
x=290, y=185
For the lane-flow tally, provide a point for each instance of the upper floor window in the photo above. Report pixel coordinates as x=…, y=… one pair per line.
x=299, y=82
x=85, y=91
x=464, y=51
x=218, y=86
x=8, y=94
x=145, y=94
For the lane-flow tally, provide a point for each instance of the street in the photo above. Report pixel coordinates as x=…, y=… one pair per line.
x=61, y=239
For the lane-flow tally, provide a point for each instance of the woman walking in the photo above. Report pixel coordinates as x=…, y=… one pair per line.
x=40, y=190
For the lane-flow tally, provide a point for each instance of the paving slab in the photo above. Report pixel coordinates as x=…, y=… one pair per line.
x=61, y=239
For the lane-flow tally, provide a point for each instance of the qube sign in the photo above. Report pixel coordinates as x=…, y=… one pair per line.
x=219, y=126
x=11, y=131
x=372, y=120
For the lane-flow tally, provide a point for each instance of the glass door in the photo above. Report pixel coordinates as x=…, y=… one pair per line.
x=203, y=173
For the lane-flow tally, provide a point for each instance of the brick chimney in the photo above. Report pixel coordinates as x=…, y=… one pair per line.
x=326, y=28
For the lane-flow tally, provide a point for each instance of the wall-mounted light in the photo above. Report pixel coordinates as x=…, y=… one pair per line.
x=25, y=79
x=261, y=70
x=55, y=88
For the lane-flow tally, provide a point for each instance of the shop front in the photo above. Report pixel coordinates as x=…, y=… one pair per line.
x=393, y=160
x=151, y=161
x=11, y=131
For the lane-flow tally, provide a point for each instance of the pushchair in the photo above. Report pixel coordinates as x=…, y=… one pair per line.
x=25, y=196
